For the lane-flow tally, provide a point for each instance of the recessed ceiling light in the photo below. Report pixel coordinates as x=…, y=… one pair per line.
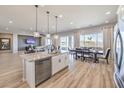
x=106, y=21
x=71, y=23
x=7, y=28
x=10, y=21
x=108, y=13
x=60, y=15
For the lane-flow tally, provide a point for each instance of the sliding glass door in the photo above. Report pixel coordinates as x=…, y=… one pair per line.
x=48, y=41
x=66, y=42
x=70, y=42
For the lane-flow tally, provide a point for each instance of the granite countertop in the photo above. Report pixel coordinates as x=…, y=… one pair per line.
x=39, y=55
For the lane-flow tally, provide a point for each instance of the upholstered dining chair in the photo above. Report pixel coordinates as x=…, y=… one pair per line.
x=106, y=56
x=72, y=52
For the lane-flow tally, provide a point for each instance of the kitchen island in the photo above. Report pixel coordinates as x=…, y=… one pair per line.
x=38, y=67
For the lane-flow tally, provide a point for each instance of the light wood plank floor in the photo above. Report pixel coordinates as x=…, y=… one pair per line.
x=78, y=75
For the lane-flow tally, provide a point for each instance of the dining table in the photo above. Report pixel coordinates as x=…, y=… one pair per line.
x=95, y=53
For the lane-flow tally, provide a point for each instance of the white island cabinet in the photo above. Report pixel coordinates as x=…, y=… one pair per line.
x=57, y=61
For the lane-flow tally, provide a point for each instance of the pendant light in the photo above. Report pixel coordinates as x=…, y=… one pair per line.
x=36, y=33
x=48, y=34
x=56, y=35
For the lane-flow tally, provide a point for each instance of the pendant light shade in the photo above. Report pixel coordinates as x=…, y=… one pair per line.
x=36, y=33
x=56, y=35
x=48, y=34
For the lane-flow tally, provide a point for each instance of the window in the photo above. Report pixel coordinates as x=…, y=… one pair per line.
x=48, y=41
x=63, y=43
x=66, y=42
x=71, y=42
x=82, y=40
x=92, y=40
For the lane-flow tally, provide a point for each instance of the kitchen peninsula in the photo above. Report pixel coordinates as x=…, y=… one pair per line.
x=38, y=67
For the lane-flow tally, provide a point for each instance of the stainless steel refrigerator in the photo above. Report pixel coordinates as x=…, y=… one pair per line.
x=119, y=54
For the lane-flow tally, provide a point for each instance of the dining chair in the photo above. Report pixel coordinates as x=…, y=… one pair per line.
x=79, y=52
x=106, y=56
x=72, y=52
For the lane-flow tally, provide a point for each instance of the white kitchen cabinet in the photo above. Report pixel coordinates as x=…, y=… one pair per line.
x=59, y=62
x=55, y=63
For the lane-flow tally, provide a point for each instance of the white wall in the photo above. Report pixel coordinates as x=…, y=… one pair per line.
x=108, y=37
x=15, y=43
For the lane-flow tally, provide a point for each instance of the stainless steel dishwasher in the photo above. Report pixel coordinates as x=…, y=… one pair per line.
x=42, y=70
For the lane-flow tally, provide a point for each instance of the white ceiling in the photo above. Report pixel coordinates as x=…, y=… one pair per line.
x=23, y=17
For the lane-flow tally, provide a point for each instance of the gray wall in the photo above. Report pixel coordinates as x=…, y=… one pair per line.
x=22, y=42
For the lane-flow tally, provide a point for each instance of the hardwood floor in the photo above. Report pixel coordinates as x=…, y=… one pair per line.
x=78, y=75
